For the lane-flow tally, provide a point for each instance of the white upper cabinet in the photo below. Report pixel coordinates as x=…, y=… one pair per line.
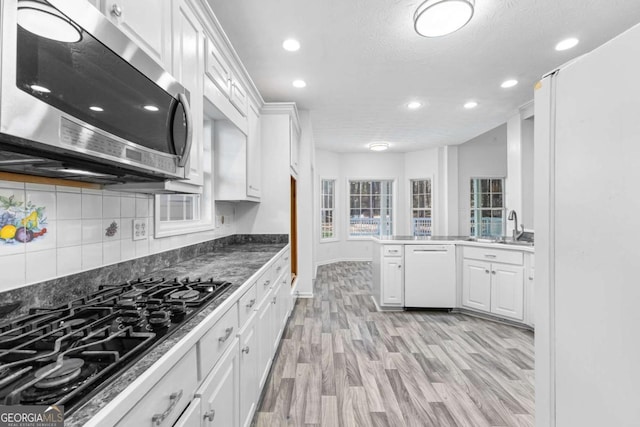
x=188, y=68
x=294, y=145
x=254, y=153
x=238, y=95
x=217, y=68
x=146, y=22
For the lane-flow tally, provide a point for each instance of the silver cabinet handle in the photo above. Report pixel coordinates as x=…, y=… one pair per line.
x=279, y=268
x=487, y=271
x=493, y=272
x=274, y=300
x=246, y=350
x=251, y=303
x=173, y=401
x=489, y=256
x=286, y=259
x=395, y=251
x=227, y=334
x=210, y=415
x=267, y=283
x=530, y=277
x=116, y=10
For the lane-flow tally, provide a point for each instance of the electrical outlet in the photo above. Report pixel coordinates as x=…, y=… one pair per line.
x=139, y=229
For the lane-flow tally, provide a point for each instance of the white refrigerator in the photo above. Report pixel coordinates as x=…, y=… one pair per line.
x=587, y=216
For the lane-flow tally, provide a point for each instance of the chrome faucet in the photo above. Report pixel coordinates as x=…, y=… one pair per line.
x=514, y=217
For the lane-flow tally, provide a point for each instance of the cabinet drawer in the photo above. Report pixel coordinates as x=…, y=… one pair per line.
x=264, y=284
x=217, y=339
x=217, y=68
x=494, y=255
x=392, y=250
x=168, y=397
x=247, y=305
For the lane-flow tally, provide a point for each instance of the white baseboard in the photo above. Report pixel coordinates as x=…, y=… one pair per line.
x=297, y=294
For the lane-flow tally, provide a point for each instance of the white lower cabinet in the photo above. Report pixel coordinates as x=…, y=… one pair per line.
x=220, y=392
x=266, y=334
x=494, y=287
x=248, y=371
x=191, y=416
x=392, y=281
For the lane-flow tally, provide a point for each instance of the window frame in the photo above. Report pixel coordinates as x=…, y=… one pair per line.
x=479, y=208
x=411, y=208
x=335, y=209
x=347, y=199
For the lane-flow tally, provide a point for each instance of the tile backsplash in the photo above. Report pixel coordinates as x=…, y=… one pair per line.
x=49, y=231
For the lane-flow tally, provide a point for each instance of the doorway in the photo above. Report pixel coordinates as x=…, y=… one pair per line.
x=293, y=233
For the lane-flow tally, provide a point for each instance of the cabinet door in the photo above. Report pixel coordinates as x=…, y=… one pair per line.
x=238, y=96
x=476, y=285
x=392, y=281
x=294, y=141
x=191, y=416
x=146, y=22
x=254, y=153
x=248, y=372
x=219, y=393
x=507, y=290
x=217, y=67
x=188, y=66
x=266, y=333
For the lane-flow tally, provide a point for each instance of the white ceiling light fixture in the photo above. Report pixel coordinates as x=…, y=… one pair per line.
x=436, y=18
x=508, y=83
x=96, y=108
x=471, y=104
x=299, y=83
x=45, y=21
x=151, y=108
x=38, y=88
x=567, y=44
x=414, y=105
x=378, y=146
x=291, y=45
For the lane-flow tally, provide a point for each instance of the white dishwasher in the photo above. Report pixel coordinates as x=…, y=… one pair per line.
x=430, y=276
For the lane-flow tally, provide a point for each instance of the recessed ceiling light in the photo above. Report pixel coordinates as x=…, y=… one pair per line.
x=435, y=18
x=378, y=146
x=567, y=43
x=96, y=108
x=151, y=108
x=38, y=88
x=291, y=45
x=470, y=104
x=414, y=105
x=509, y=83
x=299, y=83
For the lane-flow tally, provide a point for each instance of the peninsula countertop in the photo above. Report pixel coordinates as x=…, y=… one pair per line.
x=502, y=243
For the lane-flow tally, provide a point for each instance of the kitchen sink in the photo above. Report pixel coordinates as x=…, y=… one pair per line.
x=500, y=240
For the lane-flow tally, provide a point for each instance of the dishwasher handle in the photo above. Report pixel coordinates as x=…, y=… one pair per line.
x=433, y=249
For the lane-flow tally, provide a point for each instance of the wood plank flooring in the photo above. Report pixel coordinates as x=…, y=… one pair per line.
x=342, y=363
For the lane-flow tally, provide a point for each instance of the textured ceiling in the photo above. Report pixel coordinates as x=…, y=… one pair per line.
x=363, y=62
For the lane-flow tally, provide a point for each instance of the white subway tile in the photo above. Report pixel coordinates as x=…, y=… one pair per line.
x=142, y=208
x=142, y=248
x=40, y=187
x=45, y=200
x=91, y=256
x=12, y=184
x=127, y=207
x=44, y=238
x=68, y=233
x=91, y=231
x=13, y=268
x=68, y=205
x=127, y=250
x=41, y=266
x=65, y=189
x=111, y=252
x=126, y=228
x=69, y=260
x=111, y=229
x=110, y=207
x=91, y=206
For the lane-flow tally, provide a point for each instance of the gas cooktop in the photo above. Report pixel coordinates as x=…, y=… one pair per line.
x=63, y=355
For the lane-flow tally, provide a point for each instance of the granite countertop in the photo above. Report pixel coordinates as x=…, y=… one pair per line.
x=504, y=243
x=235, y=263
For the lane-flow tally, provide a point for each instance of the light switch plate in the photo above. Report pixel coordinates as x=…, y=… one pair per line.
x=140, y=229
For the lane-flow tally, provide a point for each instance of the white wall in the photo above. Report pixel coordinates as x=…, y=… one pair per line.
x=527, y=173
x=482, y=156
x=76, y=238
x=305, y=212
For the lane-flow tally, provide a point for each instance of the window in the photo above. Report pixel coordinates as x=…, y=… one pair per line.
x=421, y=207
x=370, y=208
x=179, y=207
x=487, y=207
x=328, y=191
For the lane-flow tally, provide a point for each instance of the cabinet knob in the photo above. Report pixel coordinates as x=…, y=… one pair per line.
x=251, y=303
x=399, y=266
x=267, y=283
x=487, y=271
x=116, y=10
x=274, y=300
x=246, y=350
x=210, y=415
x=493, y=272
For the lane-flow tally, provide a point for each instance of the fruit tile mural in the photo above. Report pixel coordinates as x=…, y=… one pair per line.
x=21, y=222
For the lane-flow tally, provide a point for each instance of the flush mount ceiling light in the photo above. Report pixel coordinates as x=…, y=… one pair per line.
x=45, y=21
x=471, y=104
x=567, y=44
x=508, y=83
x=378, y=146
x=435, y=18
x=291, y=45
x=299, y=83
x=414, y=105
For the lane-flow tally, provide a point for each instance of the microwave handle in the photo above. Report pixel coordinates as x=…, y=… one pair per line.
x=184, y=156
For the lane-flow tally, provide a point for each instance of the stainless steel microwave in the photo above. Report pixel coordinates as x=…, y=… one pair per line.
x=80, y=100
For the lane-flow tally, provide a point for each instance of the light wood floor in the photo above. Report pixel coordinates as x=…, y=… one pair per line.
x=341, y=363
